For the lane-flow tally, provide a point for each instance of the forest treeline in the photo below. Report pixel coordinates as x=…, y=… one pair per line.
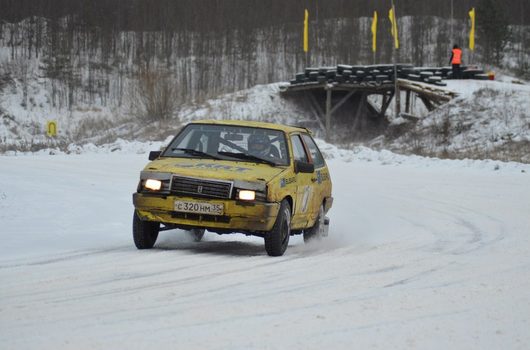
x=100, y=51
x=198, y=15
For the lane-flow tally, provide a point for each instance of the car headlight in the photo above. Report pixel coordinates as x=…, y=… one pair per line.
x=247, y=195
x=153, y=185
x=250, y=190
x=154, y=182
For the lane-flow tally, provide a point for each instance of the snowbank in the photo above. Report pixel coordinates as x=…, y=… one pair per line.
x=355, y=154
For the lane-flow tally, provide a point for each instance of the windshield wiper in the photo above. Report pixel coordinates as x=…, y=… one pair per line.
x=194, y=152
x=246, y=156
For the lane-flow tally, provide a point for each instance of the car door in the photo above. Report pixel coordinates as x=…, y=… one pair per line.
x=320, y=179
x=303, y=209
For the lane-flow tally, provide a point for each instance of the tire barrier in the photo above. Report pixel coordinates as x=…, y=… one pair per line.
x=382, y=74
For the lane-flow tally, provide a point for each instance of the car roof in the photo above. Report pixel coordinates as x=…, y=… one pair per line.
x=254, y=124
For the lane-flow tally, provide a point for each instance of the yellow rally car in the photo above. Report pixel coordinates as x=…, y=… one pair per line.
x=259, y=179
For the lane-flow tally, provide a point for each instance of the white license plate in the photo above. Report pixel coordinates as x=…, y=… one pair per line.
x=199, y=207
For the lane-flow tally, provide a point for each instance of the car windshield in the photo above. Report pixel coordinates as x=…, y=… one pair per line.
x=230, y=142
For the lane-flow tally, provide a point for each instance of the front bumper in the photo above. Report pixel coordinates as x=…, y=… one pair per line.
x=238, y=215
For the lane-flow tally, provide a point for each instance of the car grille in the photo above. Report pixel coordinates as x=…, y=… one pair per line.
x=200, y=188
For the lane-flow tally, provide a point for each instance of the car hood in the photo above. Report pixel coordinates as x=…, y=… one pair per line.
x=216, y=169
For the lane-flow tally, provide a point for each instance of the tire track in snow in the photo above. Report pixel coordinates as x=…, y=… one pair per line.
x=63, y=257
x=466, y=237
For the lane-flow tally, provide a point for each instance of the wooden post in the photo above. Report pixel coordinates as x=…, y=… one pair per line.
x=386, y=103
x=427, y=103
x=407, y=103
x=396, y=89
x=316, y=110
x=357, y=120
x=396, y=86
x=328, y=113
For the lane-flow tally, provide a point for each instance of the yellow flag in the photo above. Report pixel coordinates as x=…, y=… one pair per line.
x=306, y=31
x=394, y=29
x=374, y=32
x=472, y=31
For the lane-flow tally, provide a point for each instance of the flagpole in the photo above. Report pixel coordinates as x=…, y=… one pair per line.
x=396, y=87
x=451, y=26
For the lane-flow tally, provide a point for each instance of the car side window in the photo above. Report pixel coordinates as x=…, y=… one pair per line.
x=318, y=160
x=298, y=149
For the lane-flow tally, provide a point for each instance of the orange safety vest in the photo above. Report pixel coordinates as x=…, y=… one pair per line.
x=457, y=56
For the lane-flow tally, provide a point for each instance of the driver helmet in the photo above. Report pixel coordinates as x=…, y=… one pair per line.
x=259, y=144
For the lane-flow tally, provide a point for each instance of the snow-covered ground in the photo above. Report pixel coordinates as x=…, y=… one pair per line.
x=422, y=254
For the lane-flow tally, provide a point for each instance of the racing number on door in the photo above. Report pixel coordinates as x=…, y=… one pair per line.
x=306, y=198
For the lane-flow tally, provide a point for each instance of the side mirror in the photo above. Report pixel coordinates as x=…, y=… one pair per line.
x=154, y=155
x=303, y=167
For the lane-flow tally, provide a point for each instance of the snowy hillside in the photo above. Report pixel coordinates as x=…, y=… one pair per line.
x=25, y=131
x=422, y=253
x=489, y=119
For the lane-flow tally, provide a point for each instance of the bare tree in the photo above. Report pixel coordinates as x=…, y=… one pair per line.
x=154, y=95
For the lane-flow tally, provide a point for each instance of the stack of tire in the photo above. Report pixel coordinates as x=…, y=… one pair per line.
x=435, y=75
x=430, y=75
x=381, y=74
x=346, y=74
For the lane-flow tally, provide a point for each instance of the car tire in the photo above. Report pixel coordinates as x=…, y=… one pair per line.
x=197, y=234
x=145, y=233
x=277, y=239
x=316, y=232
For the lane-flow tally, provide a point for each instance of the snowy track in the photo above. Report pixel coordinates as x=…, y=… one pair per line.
x=425, y=254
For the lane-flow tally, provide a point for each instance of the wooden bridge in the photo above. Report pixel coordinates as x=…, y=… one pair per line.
x=355, y=98
x=326, y=98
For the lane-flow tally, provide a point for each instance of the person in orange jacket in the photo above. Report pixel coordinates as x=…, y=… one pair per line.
x=456, y=61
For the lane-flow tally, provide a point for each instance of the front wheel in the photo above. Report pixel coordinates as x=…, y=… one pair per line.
x=277, y=239
x=145, y=233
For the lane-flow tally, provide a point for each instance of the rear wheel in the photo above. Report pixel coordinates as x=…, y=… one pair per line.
x=145, y=233
x=277, y=239
x=319, y=228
